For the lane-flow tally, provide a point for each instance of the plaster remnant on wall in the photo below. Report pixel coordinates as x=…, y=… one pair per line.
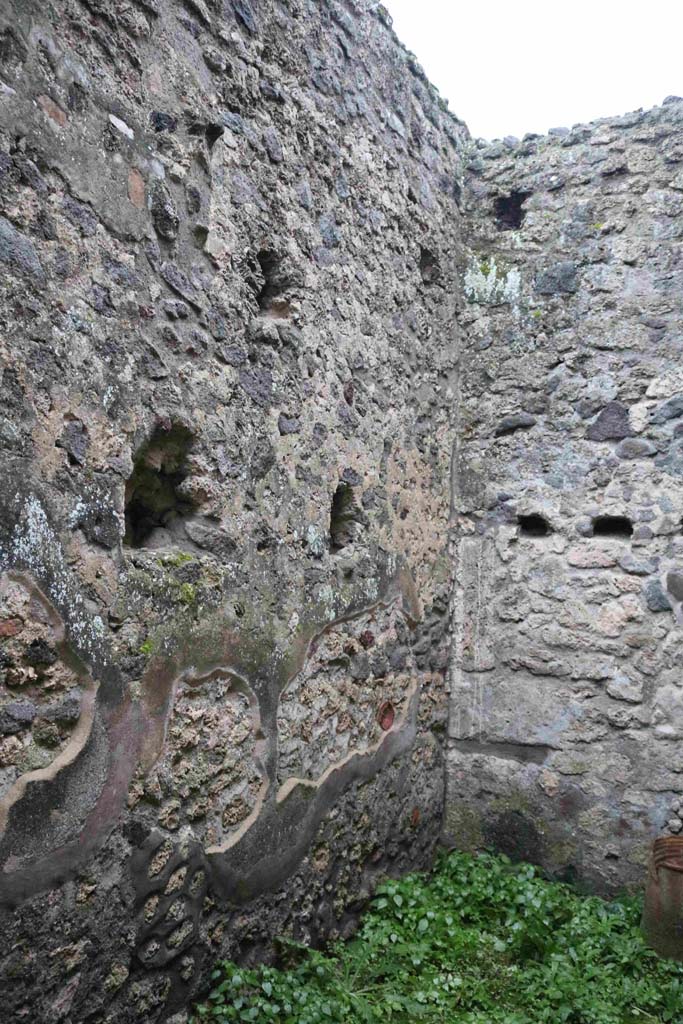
x=208, y=777
x=40, y=697
x=46, y=694
x=332, y=708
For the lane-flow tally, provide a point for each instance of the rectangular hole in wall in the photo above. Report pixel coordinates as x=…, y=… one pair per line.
x=533, y=525
x=612, y=526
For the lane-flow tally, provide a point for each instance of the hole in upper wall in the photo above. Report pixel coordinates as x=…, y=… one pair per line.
x=152, y=497
x=269, y=263
x=509, y=210
x=212, y=134
x=13, y=50
x=211, y=130
x=271, y=275
x=345, y=517
x=430, y=271
x=533, y=525
x=612, y=526
x=201, y=235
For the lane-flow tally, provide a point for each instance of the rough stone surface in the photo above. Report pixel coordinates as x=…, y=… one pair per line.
x=223, y=679
x=566, y=700
x=313, y=407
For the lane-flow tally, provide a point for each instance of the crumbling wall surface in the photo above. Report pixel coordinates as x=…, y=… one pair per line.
x=229, y=234
x=567, y=698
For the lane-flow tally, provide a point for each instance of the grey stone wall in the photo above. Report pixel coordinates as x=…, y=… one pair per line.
x=229, y=243
x=308, y=401
x=567, y=710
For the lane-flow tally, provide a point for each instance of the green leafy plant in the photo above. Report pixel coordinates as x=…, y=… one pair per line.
x=187, y=593
x=175, y=560
x=479, y=940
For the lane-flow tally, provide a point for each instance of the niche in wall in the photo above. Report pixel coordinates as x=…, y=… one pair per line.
x=152, y=496
x=509, y=210
x=211, y=131
x=430, y=271
x=345, y=517
x=273, y=281
x=612, y=526
x=212, y=134
x=533, y=525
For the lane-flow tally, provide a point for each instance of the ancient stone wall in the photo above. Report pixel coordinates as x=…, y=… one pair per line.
x=229, y=241
x=305, y=395
x=567, y=693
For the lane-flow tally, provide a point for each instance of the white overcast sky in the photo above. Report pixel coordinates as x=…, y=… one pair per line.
x=508, y=67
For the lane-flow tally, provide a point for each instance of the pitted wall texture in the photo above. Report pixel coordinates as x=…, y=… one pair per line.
x=567, y=709
x=309, y=402
x=229, y=239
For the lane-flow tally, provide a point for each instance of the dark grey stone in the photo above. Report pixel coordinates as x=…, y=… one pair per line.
x=119, y=272
x=670, y=410
x=18, y=253
x=305, y=195
x=193, y=200
x=245, y=13
x=272, y=91
x=515, y=421
x=290, y=335
x=638, y=566
x=330, y=232
x=234, y=122
x=162, y=121
x=674, y=584
x=39, y=652
x=288, y=424
x=656, y=599
x=341, y=187
x=74, y=441
x=635, y=448
x=243, y=190
x=81, y=216
x=176, y=310
x=257, y=382
x=210, y=537
x=16, y=716
x=351, y=477
x=180, y=283
x=273, y=144
x=214, y=59
x=31, y=175
x=671, y=460
x=612, y=424
x=233, y=355
x=67, y=710
x=164, y=213
x=559, y=279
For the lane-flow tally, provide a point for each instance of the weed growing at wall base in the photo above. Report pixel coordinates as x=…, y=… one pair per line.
x=479, y=941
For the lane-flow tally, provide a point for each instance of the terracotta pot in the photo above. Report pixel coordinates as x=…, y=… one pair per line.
x=662, y=922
